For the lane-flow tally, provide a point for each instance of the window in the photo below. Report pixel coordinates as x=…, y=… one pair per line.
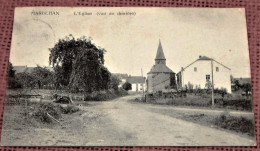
x=217, y=69
x=195, y=69
x=207, y=77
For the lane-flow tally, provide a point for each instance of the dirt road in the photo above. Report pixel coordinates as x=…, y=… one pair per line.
x=121, y=122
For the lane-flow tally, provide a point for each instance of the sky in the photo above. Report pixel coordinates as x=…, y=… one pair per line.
x=131, y=41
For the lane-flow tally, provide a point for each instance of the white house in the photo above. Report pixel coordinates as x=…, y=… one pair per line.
x=137, y=82
x=199, y=72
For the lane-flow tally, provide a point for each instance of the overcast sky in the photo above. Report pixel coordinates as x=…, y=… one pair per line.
x=131, y=41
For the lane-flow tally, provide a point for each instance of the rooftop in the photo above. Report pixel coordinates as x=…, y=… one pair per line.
x=160, y=54
x=136, y=79
x=159, y=68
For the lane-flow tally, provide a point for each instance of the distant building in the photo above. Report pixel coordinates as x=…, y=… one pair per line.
x=160, y=78
x=199, y=73
x=20, y=69
x=243, y=80
x=137, y=82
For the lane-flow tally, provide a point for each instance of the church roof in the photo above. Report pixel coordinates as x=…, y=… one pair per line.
x=160, y=54
x=135, y=79
x=160, y=68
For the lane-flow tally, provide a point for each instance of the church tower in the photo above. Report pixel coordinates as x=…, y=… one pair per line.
x=160, y=58
x=160, y=78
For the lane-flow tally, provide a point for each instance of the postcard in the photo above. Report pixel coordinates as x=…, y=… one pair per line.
x=128, y=76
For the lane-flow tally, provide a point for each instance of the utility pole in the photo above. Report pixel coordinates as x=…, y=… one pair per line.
x=212, y=87
x=144, y=81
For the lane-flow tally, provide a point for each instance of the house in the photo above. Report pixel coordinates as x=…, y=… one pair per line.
x=137, y=82
x=20, y=69
x=160, y=78
x=199, y=74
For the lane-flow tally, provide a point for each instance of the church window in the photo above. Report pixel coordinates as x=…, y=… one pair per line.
x=195, y=69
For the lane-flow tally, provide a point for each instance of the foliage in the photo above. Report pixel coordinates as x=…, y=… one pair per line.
x=43, y=76
x=68, y=109
x=39, y=77
x=189, y=87
x=104, y=95
x=127, y=86
x=42, y=109
x=208, y=85
x=246, y=87
x=27, y=80
x=238, y=124
x=173, y=84
x=12, y=81
x=114, y=82
x=79, y=64
x=235, y=102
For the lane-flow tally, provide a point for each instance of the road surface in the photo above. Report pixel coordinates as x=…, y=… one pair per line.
x=121, y=122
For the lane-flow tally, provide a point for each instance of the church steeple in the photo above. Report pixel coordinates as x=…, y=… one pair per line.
x=160, y=58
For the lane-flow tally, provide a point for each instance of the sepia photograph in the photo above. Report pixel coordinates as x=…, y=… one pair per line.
x=128, y=76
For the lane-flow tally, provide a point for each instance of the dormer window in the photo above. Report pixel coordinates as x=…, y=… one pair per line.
x=195, y=69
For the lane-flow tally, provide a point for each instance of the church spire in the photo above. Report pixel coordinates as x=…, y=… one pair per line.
x=160, y=58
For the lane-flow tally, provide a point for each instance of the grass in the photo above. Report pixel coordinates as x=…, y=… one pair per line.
x=229, y=102
x=105, y=95
x=237, y=124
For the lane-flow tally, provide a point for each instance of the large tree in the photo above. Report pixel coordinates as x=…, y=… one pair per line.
x=79, y=64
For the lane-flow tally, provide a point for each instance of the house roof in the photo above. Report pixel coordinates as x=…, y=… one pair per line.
x=121, y=75
x=204, y=58
x=160, y=54
x=135, y=79
x=243, y=80
x=160, y=68
x=19, y=69
x=201, y=58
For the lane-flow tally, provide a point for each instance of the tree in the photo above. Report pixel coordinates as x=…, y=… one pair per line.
x=127, y=86
x=114, y=82
x=27, y=80
x=246, y=88
x=43, y=76
x=79, y=64
x=12, y=81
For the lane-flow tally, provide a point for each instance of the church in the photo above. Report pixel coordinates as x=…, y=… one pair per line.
x=160, y=78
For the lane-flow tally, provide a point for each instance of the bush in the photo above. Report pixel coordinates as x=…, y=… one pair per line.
x=42, y=109
x=237, y=103
x=127, y=86
x=104, y=95
x=55, y=110
x=238, y=124
x=68, y=109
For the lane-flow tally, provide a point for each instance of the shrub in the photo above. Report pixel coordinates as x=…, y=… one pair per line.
x=104, y=95
x=238, y=124
x=237, y=103
x=42, y=109
x=191, y=100
x=68, y=109
x=127, y=86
